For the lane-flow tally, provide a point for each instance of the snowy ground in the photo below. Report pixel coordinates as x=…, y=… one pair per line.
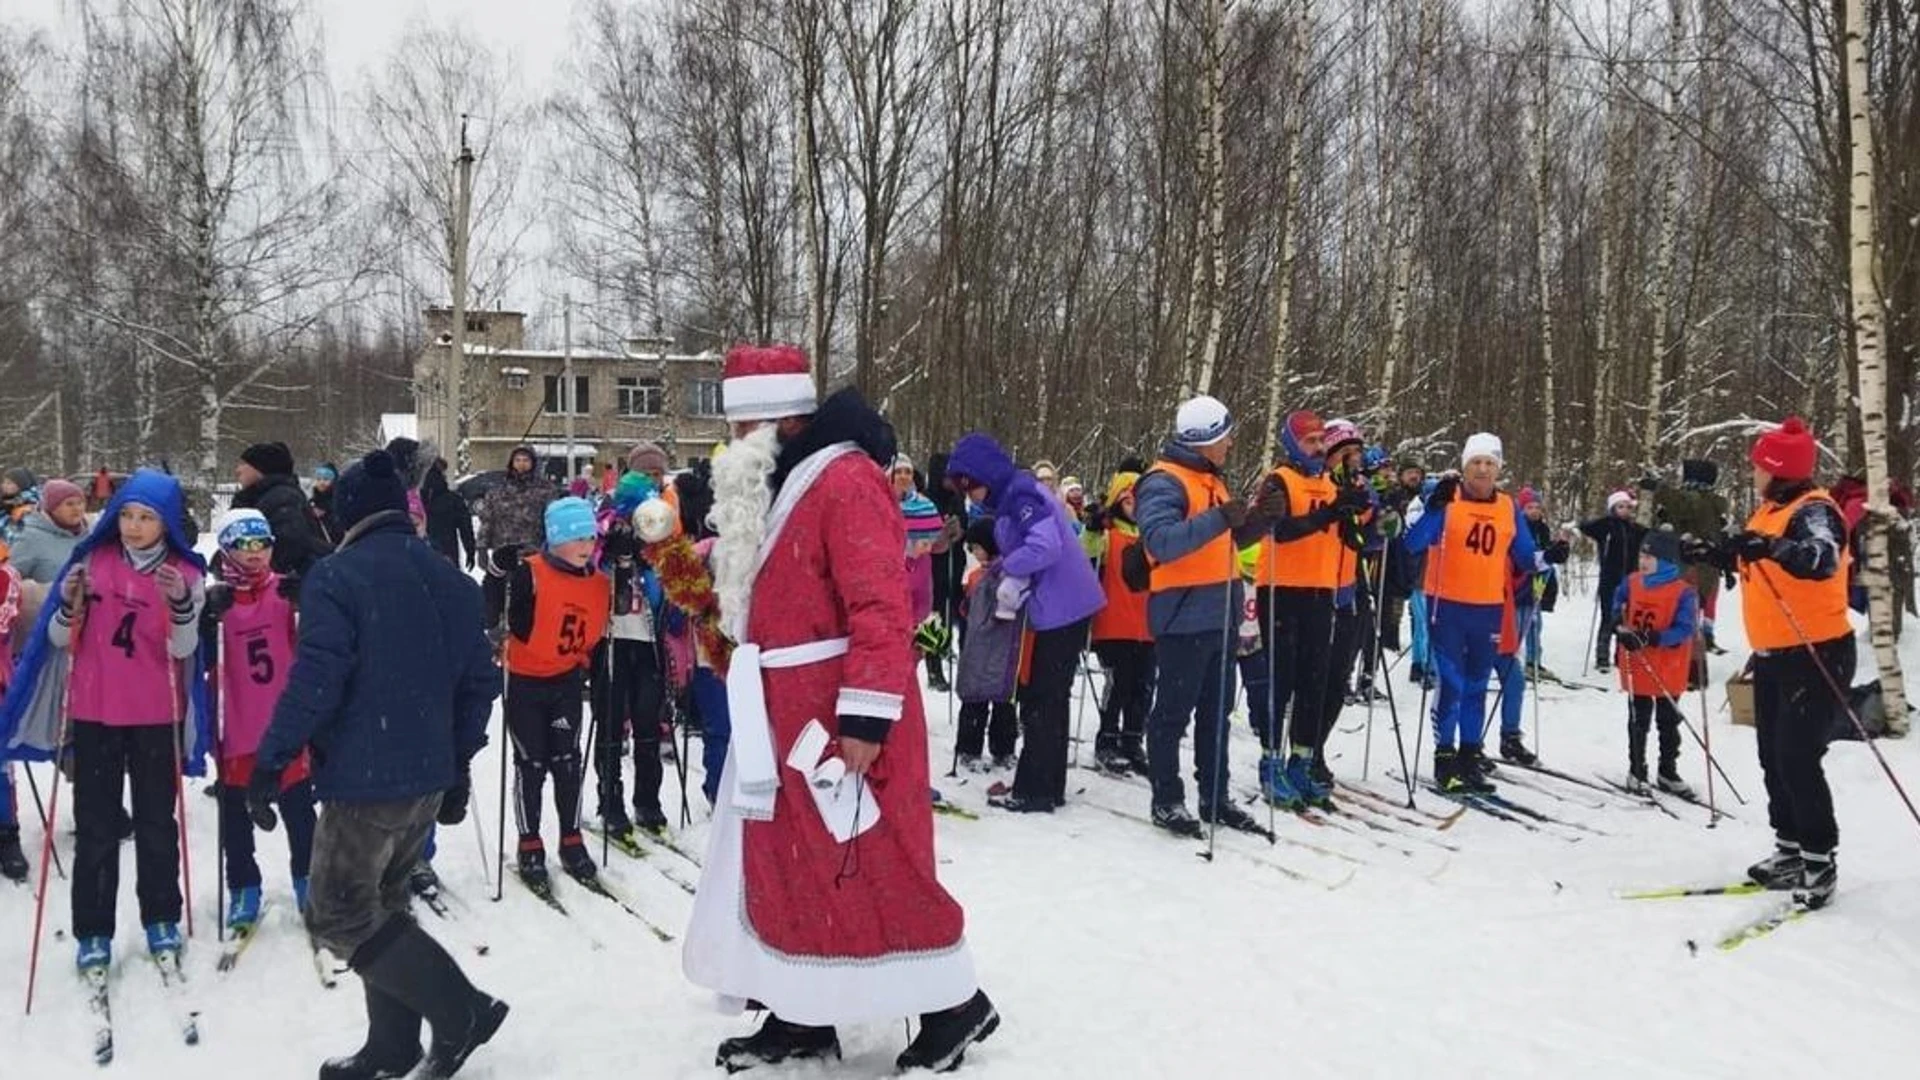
x=1114, y=951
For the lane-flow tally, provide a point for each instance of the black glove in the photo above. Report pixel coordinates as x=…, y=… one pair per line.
x=1650, y=482
x=1694, y=550
x=219, y=600
x=1629, y=640
x=1098, y=518
x=620, y=542
x=453, y=801
x=1271, y=503
x=1443, y=492
x=261, y=795
x=1352, y=499
x=1557, y=553
x=1751, y=547
x=289, y=587
x=504, y=557
x=1235, y=511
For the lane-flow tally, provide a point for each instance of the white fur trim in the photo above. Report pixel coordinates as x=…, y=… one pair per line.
x=768, y=397
x=875, y=703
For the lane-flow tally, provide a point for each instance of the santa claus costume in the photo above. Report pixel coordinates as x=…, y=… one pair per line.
x=820, y=900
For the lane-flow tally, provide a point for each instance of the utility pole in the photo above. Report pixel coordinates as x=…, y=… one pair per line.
x=569, y=401
x=457, y=357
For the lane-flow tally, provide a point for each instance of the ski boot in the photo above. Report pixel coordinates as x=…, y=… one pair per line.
x=1637, y=779
x=614, y=821
x=1229, y=816
x=1514, y=750
x=301, y=889
x=1021, y=804
x=13, y=861
x=1781, y=870
x=1276, y=786
x=1474, y=768
x=1175, y=819
x=1300, y=777
x=1819, y=877
x=1446, y=770
x=1004, y=762
x=575, y=860
x=1135, y=756
x=243, y=908
x=1321, y=774
x=775, y=1042
x=163, y=937
x=532, y=864
x=422, y=881
x=651, y=820
x=971, y=763
x=94, y=952
x=1669, y=781
x=945, y=1036
x=1110, y=759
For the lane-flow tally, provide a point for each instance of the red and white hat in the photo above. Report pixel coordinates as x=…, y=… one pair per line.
x=766, y=382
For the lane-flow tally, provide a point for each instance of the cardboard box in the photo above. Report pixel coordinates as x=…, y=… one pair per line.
x=1740, y=699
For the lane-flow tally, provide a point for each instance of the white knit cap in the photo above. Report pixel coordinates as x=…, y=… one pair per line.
x=901, y=461
x=1617, y=498
x=1483, y=444
x=1202, y=421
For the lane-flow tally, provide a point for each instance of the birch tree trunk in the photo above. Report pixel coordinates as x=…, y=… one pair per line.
x=1543, y=229
x=1405, y=238
x=1663, y=271
x=1863, y=266
x=1206, y=285
x=1289, y=241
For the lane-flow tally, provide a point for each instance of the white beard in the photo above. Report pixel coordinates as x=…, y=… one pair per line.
x=742, y=498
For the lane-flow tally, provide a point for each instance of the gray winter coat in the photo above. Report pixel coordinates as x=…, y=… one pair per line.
x=42, y=548
x=515, y=512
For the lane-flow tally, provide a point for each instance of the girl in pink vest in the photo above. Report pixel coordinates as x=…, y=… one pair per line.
x=128, y=614
x=250, y=621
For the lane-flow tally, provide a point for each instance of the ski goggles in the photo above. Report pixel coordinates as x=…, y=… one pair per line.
x=249, y=543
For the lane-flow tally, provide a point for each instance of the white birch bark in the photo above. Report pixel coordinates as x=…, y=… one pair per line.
x=1289, y=241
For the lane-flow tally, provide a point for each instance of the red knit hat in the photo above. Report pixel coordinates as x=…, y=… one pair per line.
x=1788, y=452
x=1304, y=422
x=766, y=383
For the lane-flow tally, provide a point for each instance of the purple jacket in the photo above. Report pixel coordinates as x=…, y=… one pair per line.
x=1035, y=535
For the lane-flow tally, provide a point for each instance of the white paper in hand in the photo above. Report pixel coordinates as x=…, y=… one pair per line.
x=845, y=802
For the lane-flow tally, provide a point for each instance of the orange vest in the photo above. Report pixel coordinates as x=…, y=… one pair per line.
x=570, y=613
x=1311, y=561
x=1214, y=563
x=1654, y=671
x=1125, y=616
x=1469, y=563
x=1820, y=607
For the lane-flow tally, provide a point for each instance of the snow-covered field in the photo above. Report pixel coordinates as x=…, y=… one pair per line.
x=1113, y=951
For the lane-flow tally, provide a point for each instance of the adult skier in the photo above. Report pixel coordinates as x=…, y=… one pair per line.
x=1617, y=537
x=820, y=899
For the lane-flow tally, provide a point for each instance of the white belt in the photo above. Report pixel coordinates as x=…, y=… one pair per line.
x=755, y=774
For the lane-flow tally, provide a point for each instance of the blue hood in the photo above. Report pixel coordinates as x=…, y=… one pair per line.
x=977, y=457
x=30, y=716
x=1308, y=464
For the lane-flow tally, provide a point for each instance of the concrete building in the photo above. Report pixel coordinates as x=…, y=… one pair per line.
x=518, y=395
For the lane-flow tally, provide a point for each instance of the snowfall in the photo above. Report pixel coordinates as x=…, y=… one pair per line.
x=1483, y=950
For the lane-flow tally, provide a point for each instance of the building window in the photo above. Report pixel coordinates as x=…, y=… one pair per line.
x=476, y=325
x=703, y=398
x=560, y=403
x=514, y=378
x=639, y=396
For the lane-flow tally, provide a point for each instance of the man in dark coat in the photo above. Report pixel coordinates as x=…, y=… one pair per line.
x=512, y=517
x=267, y=484
x=1617, y=536
x=391, y=686
x=449, y=519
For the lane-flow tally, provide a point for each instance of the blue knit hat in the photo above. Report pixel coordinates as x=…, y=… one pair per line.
x=569, y=519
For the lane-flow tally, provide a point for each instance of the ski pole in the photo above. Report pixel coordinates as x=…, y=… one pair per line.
x=1667, y=695
x=53, y=805
x=1379, y=604
x=1080, y=711
x=217, y=701
x=1839, y=693
x=1219, y=717
x=45, y=826
x=1706, y=742
x=1267, y=655
x=506, y=748
x=1593, y=633
x=180, y=789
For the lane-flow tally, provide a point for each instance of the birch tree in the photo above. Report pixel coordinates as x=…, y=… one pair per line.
x=1863, y=266
x=1288, y=236
x=1543, y=241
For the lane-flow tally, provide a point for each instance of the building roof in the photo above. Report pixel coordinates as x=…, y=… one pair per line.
x=472, y=349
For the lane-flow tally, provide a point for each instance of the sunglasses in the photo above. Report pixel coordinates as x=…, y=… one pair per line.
x=251, y=543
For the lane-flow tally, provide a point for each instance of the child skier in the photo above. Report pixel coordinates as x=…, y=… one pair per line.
x=629, y=684
x=557, y=611
x=1121, y=639
x=13, y=861
x=250, y=619
x=1655, y=614
x=984, y=725
x=127, y=612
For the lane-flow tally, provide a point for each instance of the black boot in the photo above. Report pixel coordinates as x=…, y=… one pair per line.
x=944, y=1036
x=405, y=962
x=393, y=1042
x=937, y=676
x=13, y=861
x=775, y=1042
x=1446, y=769
x=1514, y=749
x=1473, y=769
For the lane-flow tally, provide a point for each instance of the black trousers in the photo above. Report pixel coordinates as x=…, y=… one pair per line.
x=1793, y=712
x=1129, y=696
x=1603, y=631
x=1299, y=656
x=1348, y=626
x=1046, y=712
x=543, y=719
x=1647, y=712
x=994, y=725
x=629, y=695
x=105, y=760
x=236, y=832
